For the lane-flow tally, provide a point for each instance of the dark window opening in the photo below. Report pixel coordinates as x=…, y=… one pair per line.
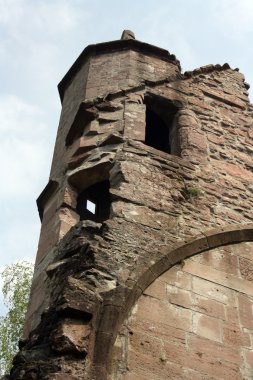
x=157, y=134
x=94, y=202
x=161, y=128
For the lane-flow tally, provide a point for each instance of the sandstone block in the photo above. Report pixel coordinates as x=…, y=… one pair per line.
x=207, y=327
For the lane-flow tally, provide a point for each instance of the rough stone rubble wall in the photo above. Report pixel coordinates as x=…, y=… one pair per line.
x=59, y=211
x=82, y=286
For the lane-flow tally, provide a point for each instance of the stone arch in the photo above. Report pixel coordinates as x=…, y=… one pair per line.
x=118, y=303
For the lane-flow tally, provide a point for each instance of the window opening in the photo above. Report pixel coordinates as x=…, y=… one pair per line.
x=157, y=134
x=94, y=202
x=91, y=206
x=161, y=128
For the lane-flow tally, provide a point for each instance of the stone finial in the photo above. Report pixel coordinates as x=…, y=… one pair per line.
x=127, y=35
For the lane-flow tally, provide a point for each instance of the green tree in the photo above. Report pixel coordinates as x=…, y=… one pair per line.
x=16, y=290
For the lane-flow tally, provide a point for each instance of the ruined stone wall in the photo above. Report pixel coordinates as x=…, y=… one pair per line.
x=192, y=322
x=164, y=208
x=100, y=75
x=73, y=96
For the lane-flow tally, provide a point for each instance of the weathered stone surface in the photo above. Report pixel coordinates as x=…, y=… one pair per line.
x=176, y=251
x=191, y=329
x=71, y=337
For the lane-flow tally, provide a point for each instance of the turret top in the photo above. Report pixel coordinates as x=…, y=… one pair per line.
x=127, y=41
x=127, y=35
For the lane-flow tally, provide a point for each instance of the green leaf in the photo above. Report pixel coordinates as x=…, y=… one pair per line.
x=17, y=280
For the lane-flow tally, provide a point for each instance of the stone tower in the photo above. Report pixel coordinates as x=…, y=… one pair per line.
x=144, y=267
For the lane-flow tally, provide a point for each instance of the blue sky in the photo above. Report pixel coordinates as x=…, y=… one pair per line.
x=40, y=39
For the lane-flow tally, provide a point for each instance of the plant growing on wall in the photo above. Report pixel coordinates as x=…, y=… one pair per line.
x=16, y=290
x=193, y=192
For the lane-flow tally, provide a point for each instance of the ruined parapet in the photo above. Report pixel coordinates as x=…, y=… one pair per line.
x=148, y=168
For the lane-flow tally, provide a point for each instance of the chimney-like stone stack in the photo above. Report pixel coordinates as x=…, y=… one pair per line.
x=144, y=267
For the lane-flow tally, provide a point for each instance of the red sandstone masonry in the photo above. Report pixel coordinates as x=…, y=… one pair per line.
x=211, y=341
x=102, y=285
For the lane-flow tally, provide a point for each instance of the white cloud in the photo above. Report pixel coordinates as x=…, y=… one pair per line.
x=18, y=116
x=33, y=33
x=23, y=147
x=21, y=235
x=233, y=17
x=24, y=18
